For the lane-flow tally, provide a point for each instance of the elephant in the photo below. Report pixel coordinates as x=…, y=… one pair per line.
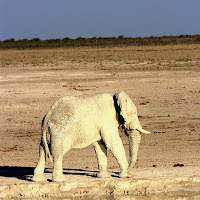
x=77, y=122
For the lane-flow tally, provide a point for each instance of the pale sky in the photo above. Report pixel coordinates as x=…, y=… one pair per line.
x=45, y=19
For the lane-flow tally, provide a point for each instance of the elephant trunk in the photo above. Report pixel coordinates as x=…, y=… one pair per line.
x=134, y=143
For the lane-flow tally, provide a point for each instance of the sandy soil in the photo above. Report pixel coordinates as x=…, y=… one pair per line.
x=168, y=104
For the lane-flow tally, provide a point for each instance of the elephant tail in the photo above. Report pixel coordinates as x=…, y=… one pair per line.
x=44, y=130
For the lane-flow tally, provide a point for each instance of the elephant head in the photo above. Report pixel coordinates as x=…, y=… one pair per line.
x=128, y=119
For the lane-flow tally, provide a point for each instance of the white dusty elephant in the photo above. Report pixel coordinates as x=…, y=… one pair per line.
x=74, y=122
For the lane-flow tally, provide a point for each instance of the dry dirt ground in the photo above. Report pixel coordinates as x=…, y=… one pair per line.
x=168, y=102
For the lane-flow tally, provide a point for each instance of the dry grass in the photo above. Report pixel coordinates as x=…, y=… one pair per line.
x=136, y=57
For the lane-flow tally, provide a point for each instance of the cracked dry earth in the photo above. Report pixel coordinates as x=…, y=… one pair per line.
x=168, y=105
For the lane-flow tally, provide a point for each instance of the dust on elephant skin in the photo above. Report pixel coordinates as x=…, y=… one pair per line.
x=75, y=122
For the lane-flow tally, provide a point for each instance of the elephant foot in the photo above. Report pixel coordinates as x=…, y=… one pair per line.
x=39, y=178
x=59, y=178
x=103, y=175
x=123, y=174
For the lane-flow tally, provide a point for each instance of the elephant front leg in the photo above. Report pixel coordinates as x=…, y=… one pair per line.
x=114, y=144
x=101, y=152
x=118, y=151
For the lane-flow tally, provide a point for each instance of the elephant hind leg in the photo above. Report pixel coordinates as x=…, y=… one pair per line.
x=57, y=168
x=101, y=152
x=59, y=148
x=39, y=170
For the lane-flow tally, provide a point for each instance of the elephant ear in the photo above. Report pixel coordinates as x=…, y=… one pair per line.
x=126, y=107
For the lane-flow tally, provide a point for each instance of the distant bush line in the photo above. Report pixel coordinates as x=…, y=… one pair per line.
x=36, y=43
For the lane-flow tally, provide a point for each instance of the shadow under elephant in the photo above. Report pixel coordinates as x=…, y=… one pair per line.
x=26, y=173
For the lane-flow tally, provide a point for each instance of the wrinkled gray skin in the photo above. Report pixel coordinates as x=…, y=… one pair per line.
x=78, y=122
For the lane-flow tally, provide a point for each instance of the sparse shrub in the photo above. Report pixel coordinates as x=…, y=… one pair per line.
x=120, y=37
x=80, y=38
x=10, y=40
x=66, y=39
x=36, y=43
x=35, y=40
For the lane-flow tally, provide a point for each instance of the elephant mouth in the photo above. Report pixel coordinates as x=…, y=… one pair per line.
x=129, y=132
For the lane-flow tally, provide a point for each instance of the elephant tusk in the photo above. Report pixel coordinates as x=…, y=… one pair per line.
x=143, y=131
